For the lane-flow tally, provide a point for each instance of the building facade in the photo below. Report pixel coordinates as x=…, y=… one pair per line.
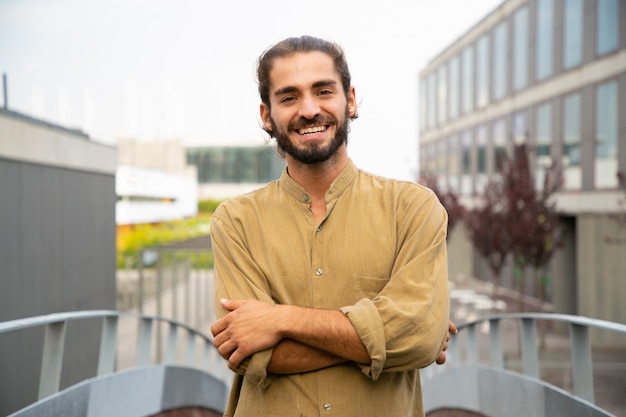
x=225, y=172
x=551, y=74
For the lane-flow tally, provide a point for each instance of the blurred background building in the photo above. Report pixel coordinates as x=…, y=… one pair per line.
x=551, y=74
x=57, y=244
x=224, y=172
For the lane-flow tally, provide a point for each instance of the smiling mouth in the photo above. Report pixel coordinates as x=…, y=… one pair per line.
x=312, y=130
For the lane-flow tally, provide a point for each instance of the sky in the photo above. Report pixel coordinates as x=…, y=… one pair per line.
x=162, y=69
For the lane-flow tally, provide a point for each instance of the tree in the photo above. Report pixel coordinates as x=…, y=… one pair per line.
x=487, y=227
x=536, y=233
x=449, y=199
x=513, y=217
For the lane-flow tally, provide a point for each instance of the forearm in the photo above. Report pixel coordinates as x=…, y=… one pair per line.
x=327, y=330
x=292, y=357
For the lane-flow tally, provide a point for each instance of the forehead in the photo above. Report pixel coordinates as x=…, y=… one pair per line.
x=301, y=70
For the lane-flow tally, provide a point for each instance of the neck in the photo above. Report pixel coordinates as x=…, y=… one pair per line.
x=317, y=178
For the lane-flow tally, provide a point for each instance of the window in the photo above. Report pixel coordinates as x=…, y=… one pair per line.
x=499, y=145
x=481, y=154
x=519, y=128
x=544, y=44
x=468, y=78
x=454, y=163
x=440, y=163
x=466, y=171
x=543, y=143
x=573, y=33
x=520, y=48
x=453, y=90
x=431, y=98
x=482, y=71
x=442, y=94
x=606, y=135
x=500, y=60
x=607, y=15
x=572, y=173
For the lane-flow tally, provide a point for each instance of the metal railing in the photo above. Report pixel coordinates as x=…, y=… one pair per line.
x=198, y=350
x=576, y=355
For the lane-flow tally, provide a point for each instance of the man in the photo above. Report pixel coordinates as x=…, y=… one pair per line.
x=331, y=283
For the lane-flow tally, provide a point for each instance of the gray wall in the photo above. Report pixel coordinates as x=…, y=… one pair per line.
x=57, y=246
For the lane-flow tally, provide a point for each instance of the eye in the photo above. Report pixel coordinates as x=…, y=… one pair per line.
x=287, y=99
x=325, y=92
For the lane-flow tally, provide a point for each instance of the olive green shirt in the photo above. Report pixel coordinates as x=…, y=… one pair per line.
x=379, y=256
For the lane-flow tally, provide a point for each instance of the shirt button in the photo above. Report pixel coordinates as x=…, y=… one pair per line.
x=319, y=272
x=319, y=228
x=305, y=198
x=327, y=407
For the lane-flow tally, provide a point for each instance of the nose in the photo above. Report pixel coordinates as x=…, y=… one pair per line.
x=309, y=108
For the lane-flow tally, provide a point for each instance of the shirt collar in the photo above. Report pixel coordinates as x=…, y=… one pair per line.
x=338, y=186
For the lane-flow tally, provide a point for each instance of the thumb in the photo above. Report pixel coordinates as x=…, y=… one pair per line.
x=230, y=305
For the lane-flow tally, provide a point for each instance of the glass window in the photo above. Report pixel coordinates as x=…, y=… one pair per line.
x=520, y=48
x=481, y=158
x=519, y=128
x=606, y=135
x=545, y=25
x=453, y=90
x=442, y=94
x=468, y=78
x=482, y=71
x=573, y=33
x=572, y=173
x=499, y=145
x=500, y=61
x=543, y=143
x=466, y=171
x=454, y=163
x=607, y=25
x=440, y=163
x=432, y=95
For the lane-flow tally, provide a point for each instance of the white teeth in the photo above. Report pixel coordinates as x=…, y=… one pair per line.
x=314, y=129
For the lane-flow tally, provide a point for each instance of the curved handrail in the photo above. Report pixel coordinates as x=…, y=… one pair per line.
x=580, y=350
x=54, y=344
x=569, y=318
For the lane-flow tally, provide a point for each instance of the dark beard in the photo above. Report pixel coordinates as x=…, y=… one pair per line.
x=314, y=153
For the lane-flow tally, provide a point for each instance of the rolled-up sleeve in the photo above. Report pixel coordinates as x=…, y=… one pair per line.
x=403, y=327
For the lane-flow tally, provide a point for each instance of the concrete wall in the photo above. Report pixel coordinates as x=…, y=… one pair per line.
x=57, y=245
x=601, y=280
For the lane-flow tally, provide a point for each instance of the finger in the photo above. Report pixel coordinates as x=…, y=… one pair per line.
x=231, y=304
x=441, y=359
x=234, y=360
x=452, y=328
x=226, y=349
x=218, y=327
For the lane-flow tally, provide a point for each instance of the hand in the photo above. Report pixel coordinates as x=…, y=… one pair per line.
x=441, y=359
x=250, y=327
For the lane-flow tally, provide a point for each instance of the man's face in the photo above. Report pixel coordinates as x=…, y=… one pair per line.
x=309, y=110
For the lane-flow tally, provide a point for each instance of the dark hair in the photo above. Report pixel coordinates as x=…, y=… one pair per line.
x=291, y=46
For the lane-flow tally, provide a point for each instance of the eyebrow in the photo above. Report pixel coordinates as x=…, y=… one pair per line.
x=317, y=84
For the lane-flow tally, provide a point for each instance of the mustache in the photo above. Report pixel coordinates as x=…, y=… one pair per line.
x=317, y=120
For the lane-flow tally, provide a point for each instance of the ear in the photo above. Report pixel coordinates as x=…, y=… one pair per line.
x=351, y=102
x=265, y=117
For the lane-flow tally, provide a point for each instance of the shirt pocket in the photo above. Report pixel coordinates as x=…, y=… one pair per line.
x=368, y=287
